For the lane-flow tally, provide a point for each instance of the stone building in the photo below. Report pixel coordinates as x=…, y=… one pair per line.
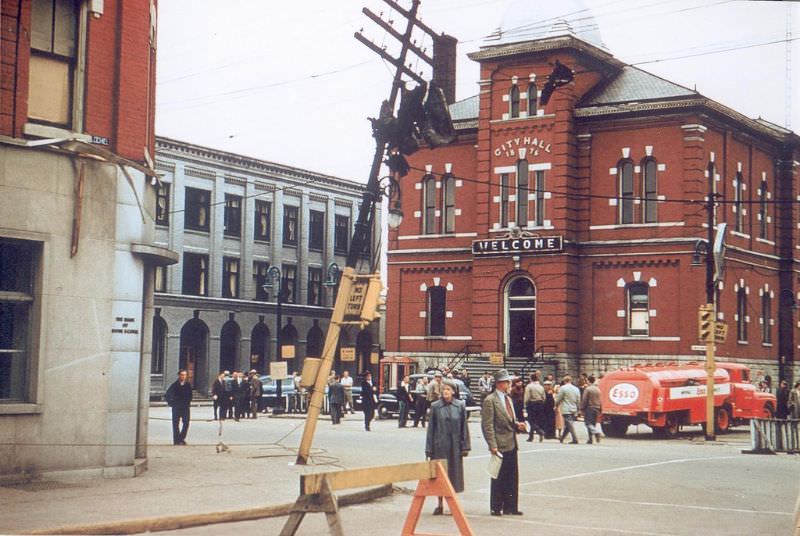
x=232, y=218
x=572, y=230
x=76, y=236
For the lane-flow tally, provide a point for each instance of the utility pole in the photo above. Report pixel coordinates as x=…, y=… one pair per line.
x=356, y=290
x=711, y=305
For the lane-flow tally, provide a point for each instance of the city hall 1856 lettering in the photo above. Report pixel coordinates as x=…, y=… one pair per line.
x=510, y=246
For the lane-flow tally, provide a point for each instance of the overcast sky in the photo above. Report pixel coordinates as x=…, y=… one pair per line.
x=287, y=82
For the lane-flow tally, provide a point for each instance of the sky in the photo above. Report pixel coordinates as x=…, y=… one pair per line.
x=287, y=81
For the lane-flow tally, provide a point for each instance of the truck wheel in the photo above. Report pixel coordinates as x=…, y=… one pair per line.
x=767, y=412
x=616, y=428
x=672, y=428
x=722, y=421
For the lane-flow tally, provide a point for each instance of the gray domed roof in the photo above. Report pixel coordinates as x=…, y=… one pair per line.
x=528, y=20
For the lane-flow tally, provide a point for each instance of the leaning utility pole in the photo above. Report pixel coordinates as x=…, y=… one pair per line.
x=711, y=304
x=357, y=299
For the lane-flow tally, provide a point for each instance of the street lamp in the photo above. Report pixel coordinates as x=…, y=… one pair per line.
x=274, y=280
x=391, y=189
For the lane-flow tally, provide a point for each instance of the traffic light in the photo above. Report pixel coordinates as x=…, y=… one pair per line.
x=372, y=300
x=704, y=317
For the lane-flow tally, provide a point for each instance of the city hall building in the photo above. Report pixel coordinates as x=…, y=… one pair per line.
x=232, y=218
x=573, y=230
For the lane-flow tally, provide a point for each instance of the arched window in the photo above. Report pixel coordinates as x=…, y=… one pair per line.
x=763, y=213
x=159, y=345
x=259, y=347
x=741, y=314
x=522, y=193
x=429, y=204
x=520, y=332
x=626, y=192
x=193, y=353
x=504, y=193
x=449, y=204
x=532, y=99
x=738, y=204
x=289, y=338
x=650, y=189
x=229, y=346
x=314, y=341
x=513, y=97
x=766, y=317
x=638, y=309
x=437, y=311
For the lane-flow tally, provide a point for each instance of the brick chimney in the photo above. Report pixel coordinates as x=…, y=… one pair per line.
x=444, y=65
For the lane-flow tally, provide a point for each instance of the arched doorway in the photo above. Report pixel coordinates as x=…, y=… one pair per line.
x=520, y=306
x=289, y=338
x=315, y=340
x=229, y=339
x=364, y=350
x=194, y=353
x=259, y=348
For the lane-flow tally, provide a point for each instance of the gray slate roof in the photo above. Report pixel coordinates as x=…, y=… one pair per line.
x=635, y=85
x=465, y=109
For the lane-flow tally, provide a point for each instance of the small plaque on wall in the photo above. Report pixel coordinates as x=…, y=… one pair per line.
x=347, y=354
x=287, y=351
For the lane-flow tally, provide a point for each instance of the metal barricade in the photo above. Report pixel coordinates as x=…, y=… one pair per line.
x=775, y=435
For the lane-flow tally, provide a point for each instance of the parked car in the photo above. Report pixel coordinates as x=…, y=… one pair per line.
x=388, y=405
x=269, y=391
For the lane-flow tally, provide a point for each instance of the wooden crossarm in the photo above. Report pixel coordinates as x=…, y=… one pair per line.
x=368, y=476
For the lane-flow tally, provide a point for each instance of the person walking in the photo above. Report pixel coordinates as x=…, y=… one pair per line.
x=568, y=399
x=448, y=437
x=179, y=398
x=549, y=410
x=405, y=400
x=337, y=399
x=782, y=400
x=347, y=384
x=217, y=394
x=420, y=401
x=794, y=401
x=591, y=407
x=369, y=399
x=255, y=393
x=500, y=432
x=534, y=407
x=558, y=419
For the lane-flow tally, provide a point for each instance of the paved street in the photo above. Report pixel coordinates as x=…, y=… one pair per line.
x=636, y=485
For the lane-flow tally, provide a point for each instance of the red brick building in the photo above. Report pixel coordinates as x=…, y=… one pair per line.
x=575, y=230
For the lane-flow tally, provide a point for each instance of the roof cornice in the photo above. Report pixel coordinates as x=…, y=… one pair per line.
x=545, y=45
x=683, y=104
x=171, y=147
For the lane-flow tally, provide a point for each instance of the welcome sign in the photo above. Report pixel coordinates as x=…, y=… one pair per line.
x=517, y=245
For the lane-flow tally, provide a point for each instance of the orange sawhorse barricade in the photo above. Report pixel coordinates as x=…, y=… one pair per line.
x=316, y=494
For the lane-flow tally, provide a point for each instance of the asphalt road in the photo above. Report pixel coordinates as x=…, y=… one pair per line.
x=635, y=485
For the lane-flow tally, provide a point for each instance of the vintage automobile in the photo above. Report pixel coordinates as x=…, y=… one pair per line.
x=269, y=392
x=388, y=405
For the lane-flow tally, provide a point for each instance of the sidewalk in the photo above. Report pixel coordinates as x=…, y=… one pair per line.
x=256, y=474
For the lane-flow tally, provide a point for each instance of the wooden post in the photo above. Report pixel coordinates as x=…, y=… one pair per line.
x=328, y=351
x=324, y=501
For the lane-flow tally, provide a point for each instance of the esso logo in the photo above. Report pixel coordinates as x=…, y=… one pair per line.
x=623, y=394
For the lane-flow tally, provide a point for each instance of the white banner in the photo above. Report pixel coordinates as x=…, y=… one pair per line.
x=696, y=391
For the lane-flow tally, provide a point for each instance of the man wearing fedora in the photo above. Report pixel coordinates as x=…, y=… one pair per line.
x=500, y=432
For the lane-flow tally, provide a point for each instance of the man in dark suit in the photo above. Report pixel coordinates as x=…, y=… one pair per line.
x=500, y=432
x=217, y=395
x=241, y=395
x=337, y=398
x=405, y=400
x=369, y=399
x=179, y=397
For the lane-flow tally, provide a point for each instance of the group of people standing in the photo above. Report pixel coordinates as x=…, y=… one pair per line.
x=502, y=419
x=788, y=401
x=236, y=396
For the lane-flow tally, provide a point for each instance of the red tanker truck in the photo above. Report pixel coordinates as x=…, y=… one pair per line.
x=666, y=396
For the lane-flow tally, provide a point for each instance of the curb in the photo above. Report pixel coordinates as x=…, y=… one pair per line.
x=155, y=524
